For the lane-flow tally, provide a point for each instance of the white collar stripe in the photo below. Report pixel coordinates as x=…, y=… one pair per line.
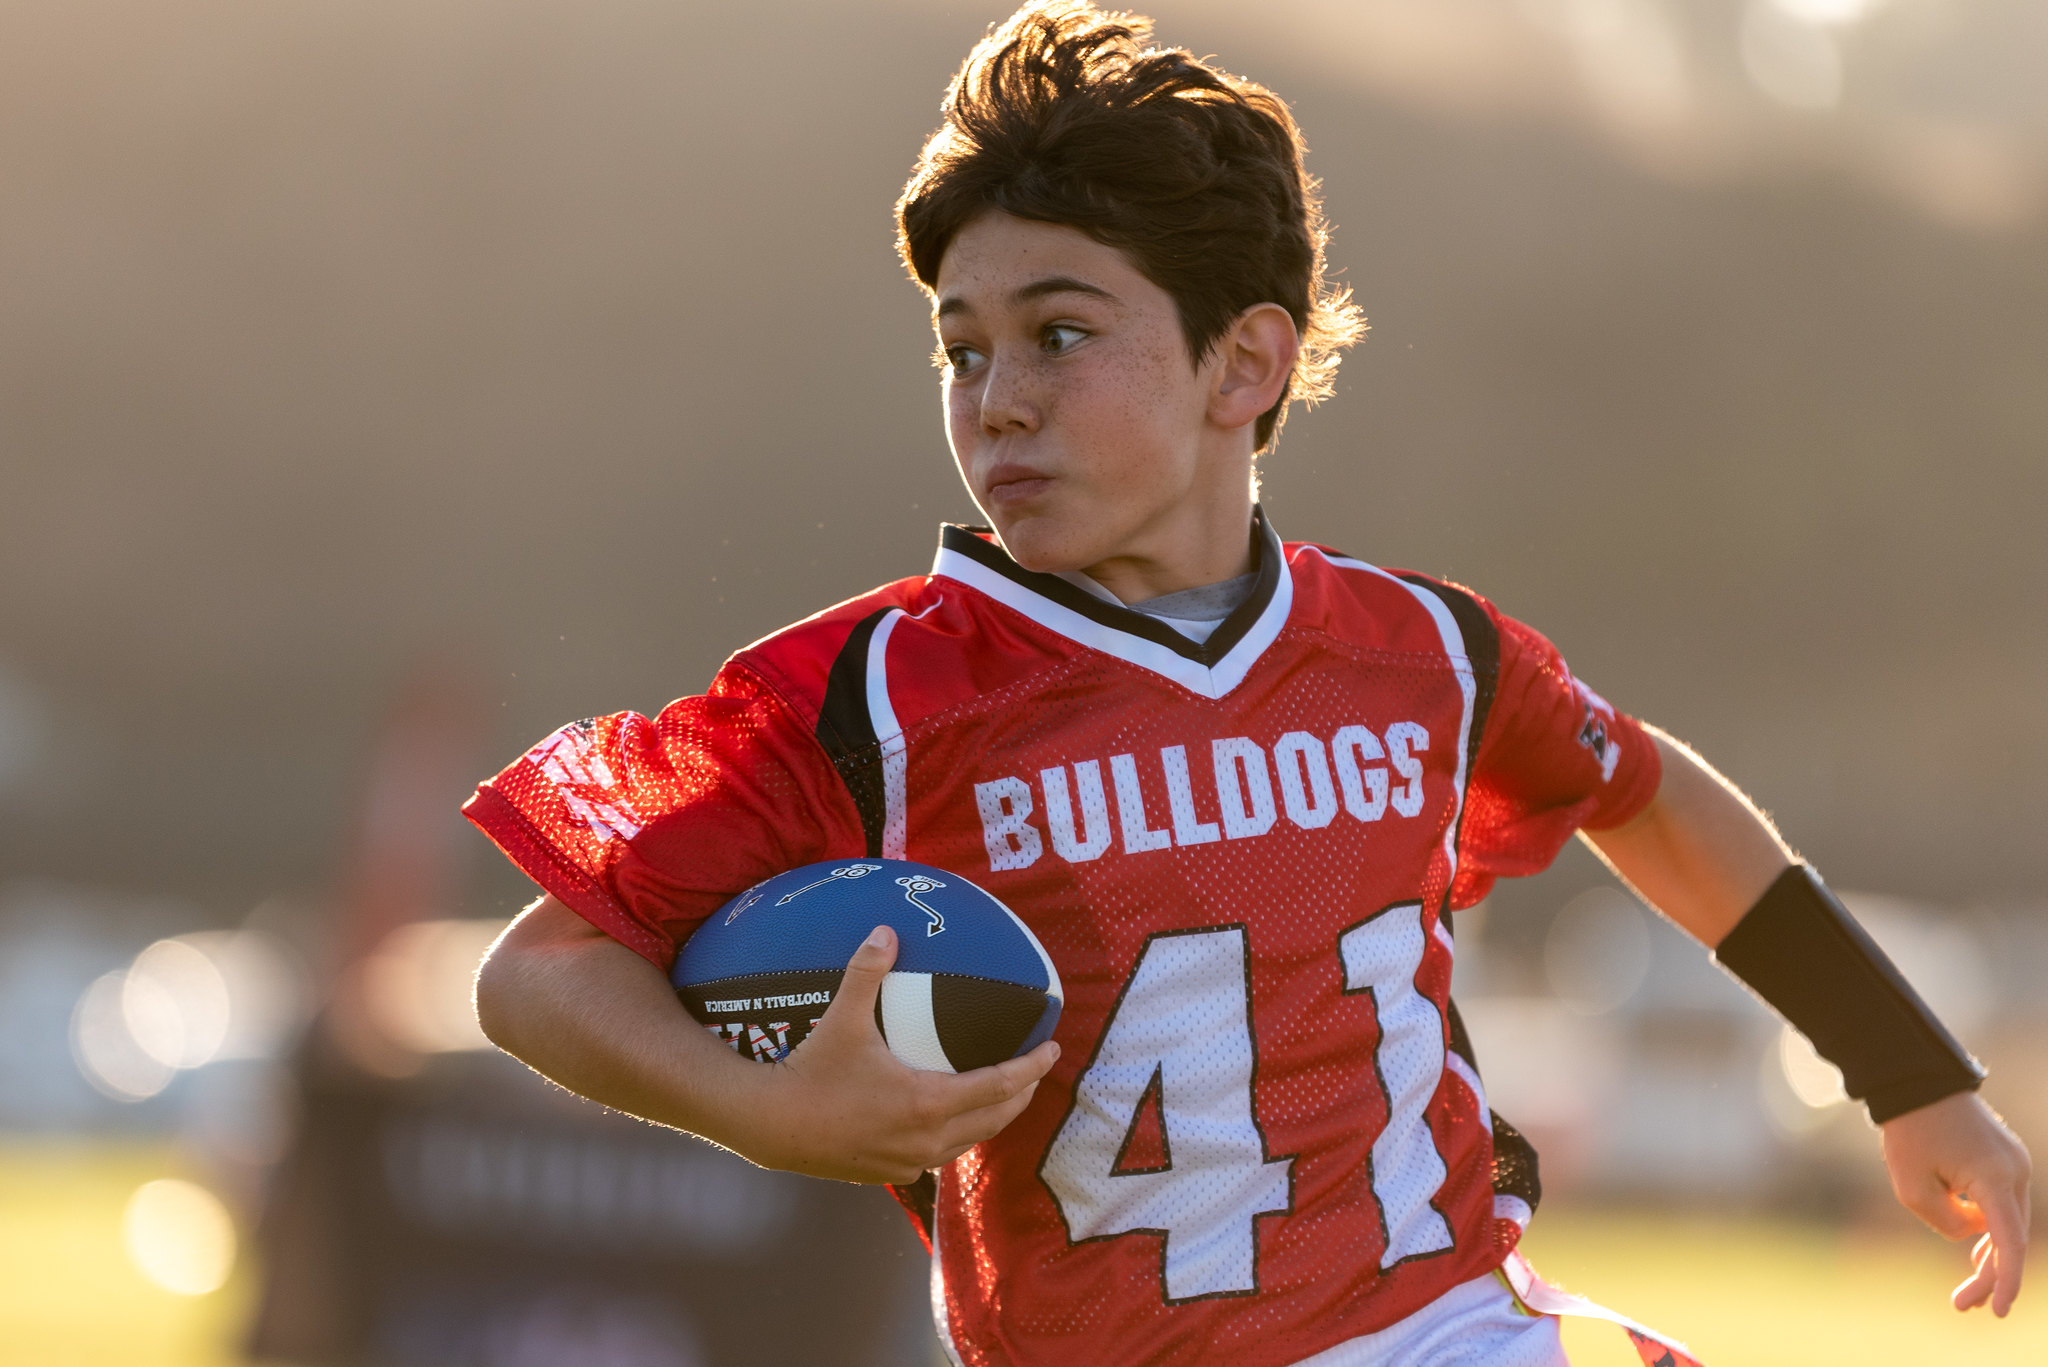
x=1204, y=680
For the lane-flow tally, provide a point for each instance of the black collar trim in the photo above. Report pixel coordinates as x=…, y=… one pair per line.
x=970, y=542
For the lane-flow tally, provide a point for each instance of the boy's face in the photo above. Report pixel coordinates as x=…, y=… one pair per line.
x=1080, y=426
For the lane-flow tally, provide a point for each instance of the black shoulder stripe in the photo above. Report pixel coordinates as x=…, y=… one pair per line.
x=847, y=731
x=1482, y=648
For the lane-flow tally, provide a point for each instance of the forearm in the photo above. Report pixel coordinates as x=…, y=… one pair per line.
x=1705, y=856
x=586, y=1012
x=1701, y=852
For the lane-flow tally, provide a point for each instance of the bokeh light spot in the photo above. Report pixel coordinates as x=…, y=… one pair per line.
x=1793, y=60
x=105, y=1047
x=1815, y=1081
x=176, y=1004
x=419, y=985
x=179, y=1236
x=1597, y=951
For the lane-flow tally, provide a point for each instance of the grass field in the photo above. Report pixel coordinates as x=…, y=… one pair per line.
x=1756, y=1293
x=1742, y=1292
x=69, y=1297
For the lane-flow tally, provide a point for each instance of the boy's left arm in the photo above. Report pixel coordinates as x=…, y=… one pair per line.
x=1703, y=855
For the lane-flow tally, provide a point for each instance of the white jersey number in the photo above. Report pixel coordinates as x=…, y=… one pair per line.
x=1183, y=1026
x=1380, y=957
x=1185, y=1017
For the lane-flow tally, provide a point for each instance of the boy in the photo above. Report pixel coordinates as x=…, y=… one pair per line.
x=1235, y=784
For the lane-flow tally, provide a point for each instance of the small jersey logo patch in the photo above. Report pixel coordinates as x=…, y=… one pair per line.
x=1593, y=733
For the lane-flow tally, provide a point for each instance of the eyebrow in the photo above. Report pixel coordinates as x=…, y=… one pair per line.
x=1037, y=289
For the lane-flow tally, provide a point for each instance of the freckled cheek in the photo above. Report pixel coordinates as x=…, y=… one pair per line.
x=1125, y=423
x=963, y=419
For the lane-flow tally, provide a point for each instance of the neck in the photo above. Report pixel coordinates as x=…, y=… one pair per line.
x=1197, y=543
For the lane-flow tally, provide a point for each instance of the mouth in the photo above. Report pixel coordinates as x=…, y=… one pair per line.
x=1008, y=485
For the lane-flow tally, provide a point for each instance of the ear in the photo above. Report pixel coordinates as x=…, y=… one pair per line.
x=1253, y=361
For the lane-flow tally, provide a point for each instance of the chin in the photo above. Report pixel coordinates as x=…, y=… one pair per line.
x=1040, y=544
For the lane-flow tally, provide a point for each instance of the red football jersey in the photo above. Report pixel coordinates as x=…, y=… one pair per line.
x=1265, y=1134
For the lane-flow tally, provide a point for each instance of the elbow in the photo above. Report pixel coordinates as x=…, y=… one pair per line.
x=496, y=995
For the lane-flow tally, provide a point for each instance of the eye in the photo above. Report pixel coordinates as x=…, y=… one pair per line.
x=960, y=359
x=1059, y=338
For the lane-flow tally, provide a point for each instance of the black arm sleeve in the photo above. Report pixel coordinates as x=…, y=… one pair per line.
x=1801, y=951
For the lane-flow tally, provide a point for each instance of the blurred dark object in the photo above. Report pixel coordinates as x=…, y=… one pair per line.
x=471, y=1216
x=441, y=1206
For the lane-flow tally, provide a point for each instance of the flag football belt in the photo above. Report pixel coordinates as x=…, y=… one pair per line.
x=1804, y=954
x=1539, y=1297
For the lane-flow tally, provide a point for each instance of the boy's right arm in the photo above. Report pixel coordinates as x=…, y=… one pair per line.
x=587, y=1012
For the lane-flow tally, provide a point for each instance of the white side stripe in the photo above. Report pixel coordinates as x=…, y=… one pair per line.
x=1461, y=664
x=1456, y=1064
x=1452, y=1060
x=889, y=735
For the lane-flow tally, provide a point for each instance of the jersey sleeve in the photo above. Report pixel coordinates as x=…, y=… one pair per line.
x=644, y=827
x=1555, y=757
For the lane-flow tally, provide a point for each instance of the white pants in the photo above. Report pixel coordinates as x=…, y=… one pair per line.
x=1474, y=1324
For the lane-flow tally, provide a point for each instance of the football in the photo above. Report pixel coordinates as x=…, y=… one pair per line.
x=971, y=985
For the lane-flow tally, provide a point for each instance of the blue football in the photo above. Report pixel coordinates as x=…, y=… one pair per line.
x=971, y=985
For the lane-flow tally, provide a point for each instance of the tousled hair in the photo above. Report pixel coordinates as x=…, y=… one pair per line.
x=1065, y=114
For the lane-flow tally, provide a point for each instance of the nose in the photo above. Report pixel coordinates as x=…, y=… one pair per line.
x=1009, y=399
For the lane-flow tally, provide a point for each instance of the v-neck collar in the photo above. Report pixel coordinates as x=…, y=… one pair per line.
x=1210, y=668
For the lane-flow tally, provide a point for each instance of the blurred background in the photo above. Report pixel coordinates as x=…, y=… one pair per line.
x=385, y=384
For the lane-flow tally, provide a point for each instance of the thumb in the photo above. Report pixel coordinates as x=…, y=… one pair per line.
x=1931, y=1200
x=870, y=963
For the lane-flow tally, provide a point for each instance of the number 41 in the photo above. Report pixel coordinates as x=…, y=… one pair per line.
x=1183, y=1025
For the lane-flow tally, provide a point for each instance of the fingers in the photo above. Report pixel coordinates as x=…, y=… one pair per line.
x=1999, y=1259
x=971, y=1128
x=897, y=1121
x=1976, y=1288
x=2007, y=1258
x=980, y=1088
x=944, y=1133
x=995, y=1096
x=996, y=1084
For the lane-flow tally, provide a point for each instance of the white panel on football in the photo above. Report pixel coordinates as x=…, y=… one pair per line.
x=1381, y=957
x=907, y=1023
x=1186, y=1015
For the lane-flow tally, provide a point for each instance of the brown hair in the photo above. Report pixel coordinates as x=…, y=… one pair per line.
x=1064, y=114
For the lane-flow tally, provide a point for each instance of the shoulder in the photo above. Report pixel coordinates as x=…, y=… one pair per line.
x=797, y=662
x=1392, y=608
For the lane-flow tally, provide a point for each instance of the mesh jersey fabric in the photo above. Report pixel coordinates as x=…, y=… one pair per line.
x=1265, y=1134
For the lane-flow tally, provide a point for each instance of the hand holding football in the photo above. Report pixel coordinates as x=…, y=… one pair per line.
x=971, y=985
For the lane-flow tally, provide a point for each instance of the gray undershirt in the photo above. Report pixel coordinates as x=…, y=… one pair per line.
x=1195, y=613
